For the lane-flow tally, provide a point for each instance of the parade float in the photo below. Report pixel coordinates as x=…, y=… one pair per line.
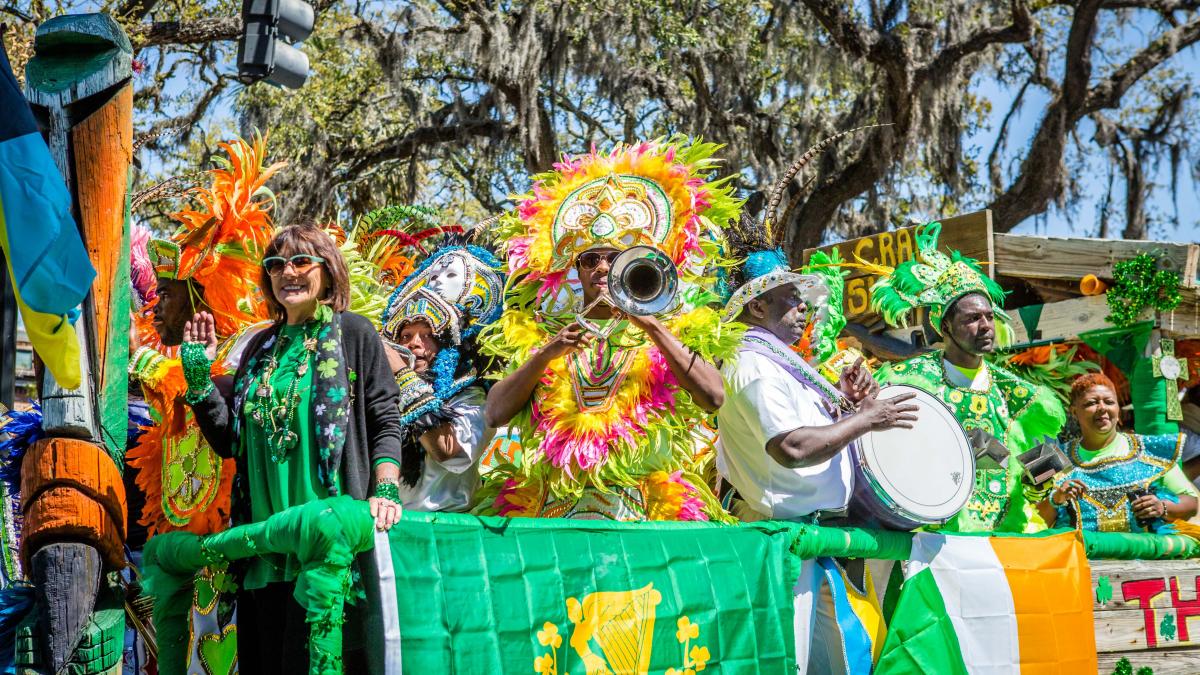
x=468, y=594
x=486, y=594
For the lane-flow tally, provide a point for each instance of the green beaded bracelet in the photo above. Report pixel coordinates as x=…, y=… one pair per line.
x=389, y=490
x=196, y=368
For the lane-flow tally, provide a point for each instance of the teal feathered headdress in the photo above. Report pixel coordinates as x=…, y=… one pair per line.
x=931, y=279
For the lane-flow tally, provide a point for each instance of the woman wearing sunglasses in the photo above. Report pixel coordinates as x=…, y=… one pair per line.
x=313, y=414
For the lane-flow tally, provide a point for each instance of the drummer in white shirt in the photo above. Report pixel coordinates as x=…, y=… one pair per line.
x=784, y=428
x=784, y=431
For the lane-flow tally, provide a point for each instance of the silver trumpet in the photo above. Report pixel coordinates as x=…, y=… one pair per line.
x=641, y=281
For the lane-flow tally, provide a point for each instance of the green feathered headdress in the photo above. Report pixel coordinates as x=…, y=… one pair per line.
x=831, y=269
x=932, y=279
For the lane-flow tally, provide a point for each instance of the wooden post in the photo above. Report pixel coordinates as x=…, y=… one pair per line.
x=79, y=86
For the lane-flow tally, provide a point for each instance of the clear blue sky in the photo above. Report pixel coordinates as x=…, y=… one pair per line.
x=1083, y=219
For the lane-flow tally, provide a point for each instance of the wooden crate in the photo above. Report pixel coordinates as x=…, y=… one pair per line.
x=1066, y=319
x=1184, y=321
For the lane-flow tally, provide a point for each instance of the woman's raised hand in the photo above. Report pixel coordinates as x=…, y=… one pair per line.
x=202, y=328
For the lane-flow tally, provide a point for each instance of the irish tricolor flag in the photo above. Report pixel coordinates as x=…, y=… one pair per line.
x=974, y=604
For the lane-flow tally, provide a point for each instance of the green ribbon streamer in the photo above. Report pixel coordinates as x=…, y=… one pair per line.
x=324, y=536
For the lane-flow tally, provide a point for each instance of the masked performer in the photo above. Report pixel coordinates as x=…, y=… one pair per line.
x=965, y=307
x=210, y=264
x=608, y=406
x=1119, y=482
x=429, y=327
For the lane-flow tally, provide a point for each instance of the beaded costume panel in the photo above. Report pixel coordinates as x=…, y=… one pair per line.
x=1110, y=481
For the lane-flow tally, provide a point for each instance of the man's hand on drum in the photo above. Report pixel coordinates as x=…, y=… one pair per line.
x=889, y=413
x=1149, y=507
x=1072, y=489
x=856, y=383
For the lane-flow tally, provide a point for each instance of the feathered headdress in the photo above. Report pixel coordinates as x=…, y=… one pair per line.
x=220, y=241
x=830, y=322
x=141, y=267
x=458, y=289
x=379, y=256
x=655, y=193
x=765, y=267
x=931, y=279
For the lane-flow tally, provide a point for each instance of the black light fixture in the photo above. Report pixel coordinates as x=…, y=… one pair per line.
x=269, y=30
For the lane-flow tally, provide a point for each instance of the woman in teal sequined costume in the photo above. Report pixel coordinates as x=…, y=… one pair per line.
x=1120, y=482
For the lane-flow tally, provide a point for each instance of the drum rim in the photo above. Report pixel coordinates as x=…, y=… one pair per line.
x=896, y=508
x=883, y=496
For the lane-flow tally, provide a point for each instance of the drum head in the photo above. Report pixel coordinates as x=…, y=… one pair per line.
x=927, y=472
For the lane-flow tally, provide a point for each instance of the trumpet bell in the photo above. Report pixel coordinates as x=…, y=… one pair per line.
x=642, y=281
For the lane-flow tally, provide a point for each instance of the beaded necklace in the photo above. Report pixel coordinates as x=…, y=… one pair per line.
x=278, y=419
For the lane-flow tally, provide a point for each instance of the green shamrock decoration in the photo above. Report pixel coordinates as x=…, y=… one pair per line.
x=1167, y=627
x=1104, y=591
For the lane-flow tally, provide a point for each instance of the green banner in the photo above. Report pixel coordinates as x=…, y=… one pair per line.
x=490, y=595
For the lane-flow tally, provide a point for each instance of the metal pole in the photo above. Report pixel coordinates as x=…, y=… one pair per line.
x=8, y=337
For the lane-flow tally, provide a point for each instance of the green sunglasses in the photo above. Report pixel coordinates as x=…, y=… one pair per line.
x=301, y=262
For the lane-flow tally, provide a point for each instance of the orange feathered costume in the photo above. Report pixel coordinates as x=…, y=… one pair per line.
x=219, y=245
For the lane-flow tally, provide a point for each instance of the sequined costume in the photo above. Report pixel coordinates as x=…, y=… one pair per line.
x=608, y=432
x=1017, y=413
x=1137, y=463
x=218, y=245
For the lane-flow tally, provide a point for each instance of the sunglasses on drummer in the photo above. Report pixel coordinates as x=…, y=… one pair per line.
x=590, y=260
x=301, y=263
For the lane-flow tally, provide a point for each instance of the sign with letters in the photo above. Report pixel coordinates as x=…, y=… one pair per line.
x=1148, y=612
x=970, y=234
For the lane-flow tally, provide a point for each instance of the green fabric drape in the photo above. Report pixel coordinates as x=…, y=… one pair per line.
x=323, y=536
x=1125, y=348
x=884, y=545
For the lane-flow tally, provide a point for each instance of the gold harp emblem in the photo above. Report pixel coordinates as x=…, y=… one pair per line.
x=621, y=623
x=613, y=634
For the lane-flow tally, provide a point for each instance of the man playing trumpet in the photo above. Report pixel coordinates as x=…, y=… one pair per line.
x=608, y=404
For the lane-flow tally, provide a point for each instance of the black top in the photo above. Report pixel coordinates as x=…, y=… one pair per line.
x=373, y=428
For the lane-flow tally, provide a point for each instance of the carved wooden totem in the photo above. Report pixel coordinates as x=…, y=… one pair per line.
x=73, y=500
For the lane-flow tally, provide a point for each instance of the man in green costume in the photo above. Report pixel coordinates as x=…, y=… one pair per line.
x=965, y=309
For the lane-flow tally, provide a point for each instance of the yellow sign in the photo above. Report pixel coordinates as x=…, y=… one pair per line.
x=970, y=234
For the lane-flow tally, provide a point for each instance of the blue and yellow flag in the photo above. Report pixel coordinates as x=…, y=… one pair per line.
x=44, y=251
